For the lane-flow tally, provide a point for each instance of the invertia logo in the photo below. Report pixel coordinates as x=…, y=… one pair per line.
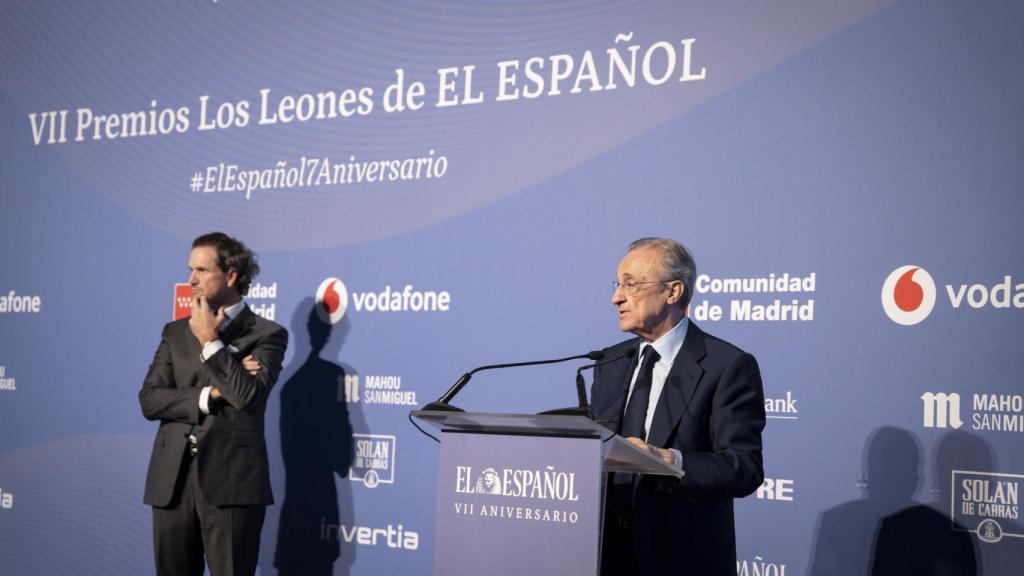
x=391, y=536
x=331, y=300
x=908, y=295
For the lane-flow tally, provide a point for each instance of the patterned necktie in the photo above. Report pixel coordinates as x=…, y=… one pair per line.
x=635, y=418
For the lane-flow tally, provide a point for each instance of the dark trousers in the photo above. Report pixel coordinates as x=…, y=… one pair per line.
x=191, y=528
x=618, y=550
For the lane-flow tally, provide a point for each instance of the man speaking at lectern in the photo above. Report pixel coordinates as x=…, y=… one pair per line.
x=208, y=480
x=689, y=398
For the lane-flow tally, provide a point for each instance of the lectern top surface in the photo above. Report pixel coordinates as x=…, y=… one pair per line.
x=527, y=424
x=618, y=454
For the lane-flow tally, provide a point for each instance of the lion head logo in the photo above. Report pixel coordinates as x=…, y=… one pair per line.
x=488, y=482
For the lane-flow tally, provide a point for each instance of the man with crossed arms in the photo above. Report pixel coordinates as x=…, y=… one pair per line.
x=208, y=479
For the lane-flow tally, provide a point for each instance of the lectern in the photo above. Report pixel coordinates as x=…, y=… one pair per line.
x=523, y=494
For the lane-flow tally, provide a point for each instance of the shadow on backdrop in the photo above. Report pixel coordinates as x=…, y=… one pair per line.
x=316, y=444
x=845, y=534
x=887, y=533
x=924, y=539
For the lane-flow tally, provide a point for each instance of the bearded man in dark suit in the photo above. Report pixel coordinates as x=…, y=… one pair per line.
x=689, y=398
x=208, y=479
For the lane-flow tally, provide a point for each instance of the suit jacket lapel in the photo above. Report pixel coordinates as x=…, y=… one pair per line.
x=239, y=326
x=680, y=385
x=618, y=377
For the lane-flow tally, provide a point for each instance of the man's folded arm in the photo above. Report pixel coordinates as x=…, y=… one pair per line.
x=159, y=398
x=235, y=384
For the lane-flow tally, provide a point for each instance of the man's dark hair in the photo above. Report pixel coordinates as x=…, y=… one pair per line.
x=232, y=255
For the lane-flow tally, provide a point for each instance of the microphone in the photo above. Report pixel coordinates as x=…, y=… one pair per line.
x=581, y=386
x=442, y=403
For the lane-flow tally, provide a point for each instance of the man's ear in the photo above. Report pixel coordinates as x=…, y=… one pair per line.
x=232, y=277
x=676, y=290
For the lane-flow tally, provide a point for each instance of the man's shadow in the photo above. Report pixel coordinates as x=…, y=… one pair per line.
x=887, y=532
x=316, y=445
x=924, y=539
x=845, y=534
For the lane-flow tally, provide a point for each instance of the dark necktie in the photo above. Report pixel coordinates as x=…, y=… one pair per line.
x=635, y=417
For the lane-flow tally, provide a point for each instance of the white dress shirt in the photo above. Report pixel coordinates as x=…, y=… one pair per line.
x=667, y=347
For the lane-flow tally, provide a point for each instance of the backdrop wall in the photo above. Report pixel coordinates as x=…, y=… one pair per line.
x=848, y=176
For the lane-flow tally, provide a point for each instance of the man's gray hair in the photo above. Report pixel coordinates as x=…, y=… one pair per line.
x=676, y=263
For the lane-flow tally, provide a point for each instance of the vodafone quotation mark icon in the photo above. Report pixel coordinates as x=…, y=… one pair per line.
x=908, y=295
x=331, y=300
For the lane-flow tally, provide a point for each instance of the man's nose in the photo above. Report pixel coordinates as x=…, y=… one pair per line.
x=617, y=296
x=193, y=278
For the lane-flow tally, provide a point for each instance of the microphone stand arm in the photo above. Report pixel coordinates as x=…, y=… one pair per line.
x=443, y=402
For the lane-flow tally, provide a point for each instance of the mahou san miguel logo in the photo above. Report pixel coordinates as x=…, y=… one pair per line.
x=987, y=412
x=908, y=295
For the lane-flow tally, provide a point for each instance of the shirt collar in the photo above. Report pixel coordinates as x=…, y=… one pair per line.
x=671, y=342
x=232, y=312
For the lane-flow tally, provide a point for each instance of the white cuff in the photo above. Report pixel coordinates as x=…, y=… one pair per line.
x=204, y=399
x=211, y=348
x=679, y=458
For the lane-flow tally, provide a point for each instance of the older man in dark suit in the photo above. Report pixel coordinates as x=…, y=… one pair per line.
x=208, y=480
x=692, y=400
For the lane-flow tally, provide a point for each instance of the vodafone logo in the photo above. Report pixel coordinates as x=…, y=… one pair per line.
x=908, y=295
x=331, y=300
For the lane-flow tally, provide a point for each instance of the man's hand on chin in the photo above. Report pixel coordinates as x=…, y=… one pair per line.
x=663, y=453
x=204, y=323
